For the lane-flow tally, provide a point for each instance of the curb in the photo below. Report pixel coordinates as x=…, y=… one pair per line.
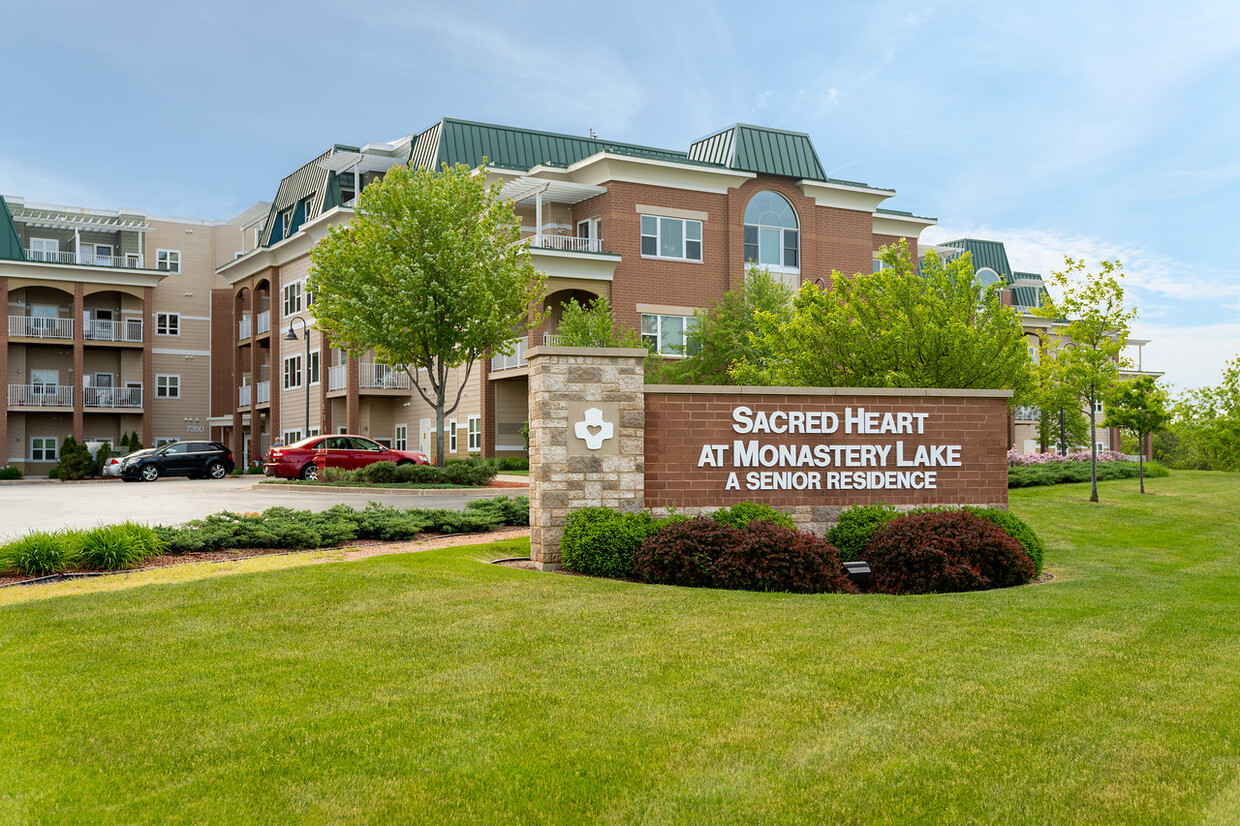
x=478, y=492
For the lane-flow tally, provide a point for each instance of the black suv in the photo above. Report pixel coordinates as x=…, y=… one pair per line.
x=193, y=459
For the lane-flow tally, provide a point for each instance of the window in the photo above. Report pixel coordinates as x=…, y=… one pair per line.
x=291, y=436
x=771, y=237
x=475, y=433
x=169, y=260
x=292, y=298
x=305, y=206
x=666, y=334
x=43, y=449
x=44, y=382
x=44, y=249
x=671, y=238
x=452, y=435
x=292, y=372
x=313, y=368
x=168, y=324
x=401, y=440
x=160, y=441
x=311, y=431
x=167, y=387
x=286, y=222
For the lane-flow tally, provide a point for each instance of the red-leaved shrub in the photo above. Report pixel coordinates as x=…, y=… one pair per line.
x=944, y=551
x=763, y=556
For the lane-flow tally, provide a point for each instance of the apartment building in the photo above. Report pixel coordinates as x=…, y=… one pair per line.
x=659, y=232
x=109, y=325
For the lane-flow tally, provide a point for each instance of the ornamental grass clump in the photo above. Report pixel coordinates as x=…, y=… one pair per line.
x=114, y=547
x=41, y=553
x=943, y=552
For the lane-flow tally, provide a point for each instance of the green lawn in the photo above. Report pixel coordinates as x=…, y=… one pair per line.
x=432, y=688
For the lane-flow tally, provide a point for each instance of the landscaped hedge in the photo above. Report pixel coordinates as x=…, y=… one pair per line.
x=945, y=551
x=472, y=473
x=856, y=525
x=763, y=556
x=1059, y=473
x=10, y=473
x=742, y=513
x=602, y=541
x=114, y=547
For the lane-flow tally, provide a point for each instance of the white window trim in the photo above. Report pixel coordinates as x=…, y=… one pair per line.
x=160, y=441
x=168, y=254
x=400, y=437
x=474, y=433
x=164, y=317
x=316, y=360
x=167, y=386
x=284, y=295
x=658, y=334
x=291, y=436
x=300, y=368
x=684, y=238
x=452, y=443
x=43, y=448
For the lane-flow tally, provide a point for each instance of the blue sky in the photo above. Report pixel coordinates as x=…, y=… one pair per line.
x=1092, y=129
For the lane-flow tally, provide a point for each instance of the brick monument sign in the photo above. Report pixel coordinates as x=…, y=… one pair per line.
x=598, y=436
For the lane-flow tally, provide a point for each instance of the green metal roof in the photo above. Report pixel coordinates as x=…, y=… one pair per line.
x=763, y=150
x=10, y=242
x=453, y=141
x=986, y=254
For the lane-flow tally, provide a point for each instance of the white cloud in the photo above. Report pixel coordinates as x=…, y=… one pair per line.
x=1191, y=356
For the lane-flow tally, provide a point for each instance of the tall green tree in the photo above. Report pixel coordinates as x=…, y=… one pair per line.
x=1082, y=357
x=1206, y=427
x=899, y=327
x=724, y=335
x=593, y=325
x=430, y=275
x=1140, y=406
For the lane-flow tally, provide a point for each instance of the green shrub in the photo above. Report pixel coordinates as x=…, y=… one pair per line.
x=601, y=541
x=742, y=513
x=10, y=473
x=39, y=554
x=379, y=473
x=856, y=525
x=417, y=474
x=113, y=547
x=511, y=463
x=1060, y=473
x=388, y=523
x=337, y=475
x=1016, y=528
x=474, y=472
x=75, y=460
x=102, y=455
x=514, y=511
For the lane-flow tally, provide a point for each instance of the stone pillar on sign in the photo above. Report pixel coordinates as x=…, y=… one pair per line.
x=587, y=438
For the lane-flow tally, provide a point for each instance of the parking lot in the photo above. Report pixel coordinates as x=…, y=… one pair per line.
x=41, y=505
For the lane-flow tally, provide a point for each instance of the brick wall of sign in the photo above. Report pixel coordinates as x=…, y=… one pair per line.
x=710, y=448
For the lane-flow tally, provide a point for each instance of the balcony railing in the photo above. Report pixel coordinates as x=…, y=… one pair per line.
x=243, y=395
x=382, y=377
x=129, y=261
x=552, y=339
x=40, y=395
x=337, y=377
x=263, y=322
x=517, y=359
x=568, y=243
x=262, y=392
x=243, y=327
x=129, y=329
x=40, y=327
x=129, y=397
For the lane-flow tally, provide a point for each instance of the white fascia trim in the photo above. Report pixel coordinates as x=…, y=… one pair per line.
x=901, y=225
x=85, y=273
x=729, y=178
x=294, y=246
x=844, y=196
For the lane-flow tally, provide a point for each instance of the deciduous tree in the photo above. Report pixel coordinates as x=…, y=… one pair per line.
x=1138, y=405
x=429, y=275
x=1083, y=356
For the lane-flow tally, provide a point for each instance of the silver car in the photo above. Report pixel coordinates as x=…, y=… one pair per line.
x=113, y=466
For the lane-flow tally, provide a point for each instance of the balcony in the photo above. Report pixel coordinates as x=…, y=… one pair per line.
x=262, y=392
x=567, y=243
x=243, y=327
x=113, y=397
x=29, y=326
x=128, y=330
x=337, y=377
x=373, y=376
x=128, y=261
x=263, y=323
x=243, y=396
x=512, y=362
x=40, y=395
x=552, y=340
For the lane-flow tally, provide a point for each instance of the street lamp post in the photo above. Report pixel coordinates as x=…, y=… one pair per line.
x=292, y=336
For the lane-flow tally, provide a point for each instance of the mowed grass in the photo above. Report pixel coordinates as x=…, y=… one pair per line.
x=434, y=688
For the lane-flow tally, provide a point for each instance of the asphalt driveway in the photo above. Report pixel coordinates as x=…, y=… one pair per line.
x=43, y=505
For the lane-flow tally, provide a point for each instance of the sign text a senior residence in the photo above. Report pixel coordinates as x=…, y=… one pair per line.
x=804, y=465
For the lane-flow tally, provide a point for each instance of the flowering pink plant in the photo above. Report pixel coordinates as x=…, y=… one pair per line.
x=1016, y=459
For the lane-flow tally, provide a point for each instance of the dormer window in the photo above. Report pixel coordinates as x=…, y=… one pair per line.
x=286, y=222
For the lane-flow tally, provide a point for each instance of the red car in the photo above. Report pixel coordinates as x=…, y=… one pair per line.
x=298, y=460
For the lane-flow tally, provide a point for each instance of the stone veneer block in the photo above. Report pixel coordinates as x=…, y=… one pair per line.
x=564, y=378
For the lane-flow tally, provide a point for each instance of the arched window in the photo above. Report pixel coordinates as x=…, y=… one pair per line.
x=771, y=236
x=986, y=276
